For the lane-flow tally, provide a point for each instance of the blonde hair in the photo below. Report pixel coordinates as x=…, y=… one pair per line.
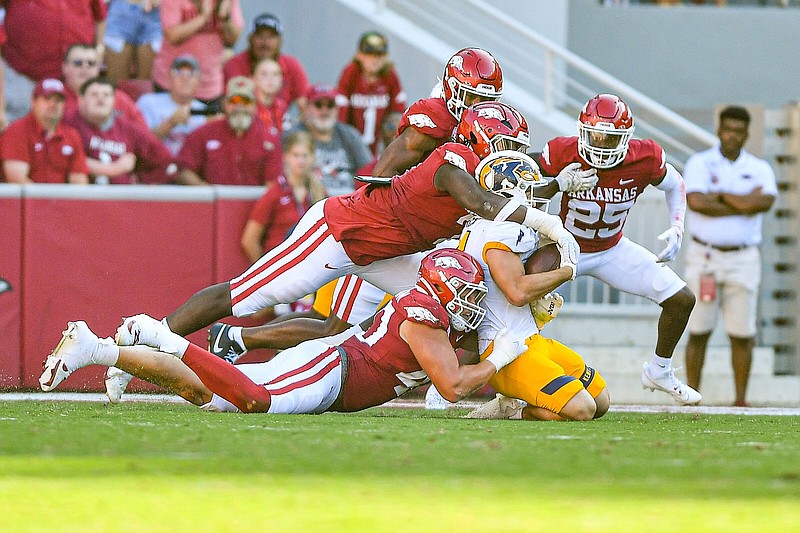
x=312, y=183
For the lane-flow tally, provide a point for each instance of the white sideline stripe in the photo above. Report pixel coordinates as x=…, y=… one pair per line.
x=404, y=404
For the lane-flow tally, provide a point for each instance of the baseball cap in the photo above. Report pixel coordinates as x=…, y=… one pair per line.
x=185, y=60
x=373, y=42
x=240, y=86
x=48, y=87
x=320, y=91
x=269, y=21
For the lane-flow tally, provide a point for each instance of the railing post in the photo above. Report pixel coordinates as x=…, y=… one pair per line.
x=547, y=80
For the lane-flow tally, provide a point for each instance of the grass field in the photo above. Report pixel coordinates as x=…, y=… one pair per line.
x=69, y=466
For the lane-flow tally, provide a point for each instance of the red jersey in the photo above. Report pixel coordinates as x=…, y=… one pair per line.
x=123, y=106
x=123, y=136
x=380, y=365
x=51, y=159
x=278, y=211
x=216, y=154
x=272, y=115
x=596, y=217
x=431, y=117
x=41, y=31
x=295, y=79
x=405, y=216
x=367, y=101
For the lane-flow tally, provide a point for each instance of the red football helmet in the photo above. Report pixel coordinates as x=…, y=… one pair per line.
x=455, y=279
x=490, y=127
x=605, y=127
x=472, y=75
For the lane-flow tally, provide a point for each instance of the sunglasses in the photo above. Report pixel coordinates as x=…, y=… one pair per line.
x=326, y=104
x=81, y=62
x=238, y=99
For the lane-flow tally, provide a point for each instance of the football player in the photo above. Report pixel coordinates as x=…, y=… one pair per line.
x=552, y=380
x=625, y=167
x=377, y=232
x=409, y=344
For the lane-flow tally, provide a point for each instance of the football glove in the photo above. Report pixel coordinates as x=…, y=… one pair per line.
x=570, y=251
x=546, y=308
x=673, y=237
x=573, y=179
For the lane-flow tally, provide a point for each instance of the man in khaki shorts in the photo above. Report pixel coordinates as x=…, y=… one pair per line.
x=727, y=192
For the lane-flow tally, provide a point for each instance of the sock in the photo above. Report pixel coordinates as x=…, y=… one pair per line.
x=235, y=334
x=164, y=321
x=518, y=414
x=661, y=365
x=227, y=381
x=106, y=352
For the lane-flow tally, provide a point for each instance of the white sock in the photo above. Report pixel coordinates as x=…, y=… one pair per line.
x=661, y=365
x=106, y=352
x=235, y=334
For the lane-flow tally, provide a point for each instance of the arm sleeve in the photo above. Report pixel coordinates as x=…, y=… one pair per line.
x=675, y=193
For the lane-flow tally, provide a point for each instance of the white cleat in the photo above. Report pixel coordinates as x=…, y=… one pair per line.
x=74, y=351
x=682, y=393
x=435, y=401
x=144, y=329
x=499, y=408
x=116, y=382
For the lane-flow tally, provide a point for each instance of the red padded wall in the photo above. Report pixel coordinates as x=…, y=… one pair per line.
x=10, y=285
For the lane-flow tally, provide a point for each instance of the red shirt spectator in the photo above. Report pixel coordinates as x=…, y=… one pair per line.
x=268, y=80
x=219, y=156
x=33, y=152
x=191, y=30
x=369, y=89
x=265, y=41
x=279, y=211
x=41, y=31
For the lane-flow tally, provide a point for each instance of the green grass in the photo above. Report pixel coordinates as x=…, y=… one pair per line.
x=145, y=467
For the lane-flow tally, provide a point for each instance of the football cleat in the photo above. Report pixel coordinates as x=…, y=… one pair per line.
x=73, y=351
x=682, y=393
x=144, y=329
x=221, y=345
x=116, y=382
x=499, y=408
x=434, y=400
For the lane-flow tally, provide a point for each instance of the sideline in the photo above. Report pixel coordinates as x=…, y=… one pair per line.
x=405, y=404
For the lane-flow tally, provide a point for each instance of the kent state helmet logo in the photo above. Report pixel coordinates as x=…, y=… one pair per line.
x=508, y=168
x=447, y=262
x=457, y=62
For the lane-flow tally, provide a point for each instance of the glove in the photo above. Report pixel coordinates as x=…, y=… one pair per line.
x=572, y=179
x=570, y=251
x=505, y=350
x=674, y=237
x=546, y=308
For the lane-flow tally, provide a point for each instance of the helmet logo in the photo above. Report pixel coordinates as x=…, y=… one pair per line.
x=447, y=262
x=490, y=112
x=457, y=62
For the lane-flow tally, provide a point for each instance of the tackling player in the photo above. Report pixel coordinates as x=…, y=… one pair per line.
x=376, y=232
x=625, y=167
x=409, y=344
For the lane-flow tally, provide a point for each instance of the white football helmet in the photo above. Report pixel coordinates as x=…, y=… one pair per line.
x=514, y=175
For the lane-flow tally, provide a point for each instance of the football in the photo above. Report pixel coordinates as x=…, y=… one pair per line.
x=544, y=259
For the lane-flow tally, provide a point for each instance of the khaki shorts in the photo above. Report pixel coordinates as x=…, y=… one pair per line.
x=738, y=275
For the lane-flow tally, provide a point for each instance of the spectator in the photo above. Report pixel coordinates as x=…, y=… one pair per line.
x=727, y=190
x=39, y=34
x=234, y=150
x=202, y=28
x=174, y=115
x=117, y=149
x=271, y=108
x=133, y=36
x=81, y=64
x=265, y=40
x=370, y=90
x=38, y=148
x=272, y=216
x=340, y=149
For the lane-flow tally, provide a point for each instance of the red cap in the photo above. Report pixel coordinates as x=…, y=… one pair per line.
x=320, y=91
x=48, y=87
